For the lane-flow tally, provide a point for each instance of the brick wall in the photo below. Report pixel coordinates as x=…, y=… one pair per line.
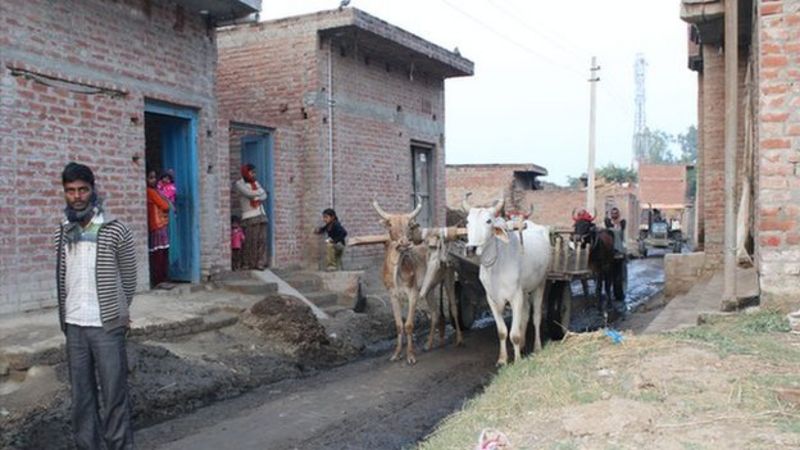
x=135, y=54
x=713, y=153
x=485, y=182
x=554, y=207
x=778, y=152
x=274, y=74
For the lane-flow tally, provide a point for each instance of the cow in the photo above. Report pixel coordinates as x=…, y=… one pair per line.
x=440, y=270
x=403, y=271
x=600, y=243
x=512, y=267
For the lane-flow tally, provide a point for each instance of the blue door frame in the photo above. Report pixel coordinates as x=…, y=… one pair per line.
x=257, y=150
x=178, y=136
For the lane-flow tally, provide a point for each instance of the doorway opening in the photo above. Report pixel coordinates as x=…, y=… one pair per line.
x=170, y=145
x=421, y=169
x=252, y=144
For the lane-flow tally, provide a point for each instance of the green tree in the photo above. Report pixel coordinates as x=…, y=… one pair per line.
x=617, y=174
x=688, y=144
x=657, y=147
x=575, y=182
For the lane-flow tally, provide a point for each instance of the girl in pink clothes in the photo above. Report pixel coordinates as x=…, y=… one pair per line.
x=237, y=240
x=166, y=185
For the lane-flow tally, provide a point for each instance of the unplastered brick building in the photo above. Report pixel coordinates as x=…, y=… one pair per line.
x=522, y=191
x=768, y=131
x=121, y=86
x=335, y=109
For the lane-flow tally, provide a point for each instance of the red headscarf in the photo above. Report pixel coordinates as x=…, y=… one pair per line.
x=583, y=215
x=253, y=184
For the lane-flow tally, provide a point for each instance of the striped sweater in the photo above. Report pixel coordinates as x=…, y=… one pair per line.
x=115, y=274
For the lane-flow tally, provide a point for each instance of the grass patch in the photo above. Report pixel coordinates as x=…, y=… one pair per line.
x=745, y=334
x=530, y=399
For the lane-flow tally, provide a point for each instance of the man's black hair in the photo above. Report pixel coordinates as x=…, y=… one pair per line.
x=236, y=219
x=330, y=212
x=77, y=172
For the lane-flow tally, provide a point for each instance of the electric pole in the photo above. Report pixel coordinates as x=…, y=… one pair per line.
x=593, y=79
x=639, y=120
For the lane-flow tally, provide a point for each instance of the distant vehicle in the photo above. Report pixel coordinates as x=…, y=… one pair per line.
x=656, y=232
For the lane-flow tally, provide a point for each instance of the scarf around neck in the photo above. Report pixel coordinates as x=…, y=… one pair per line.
x=253, y=184
x=73, y=228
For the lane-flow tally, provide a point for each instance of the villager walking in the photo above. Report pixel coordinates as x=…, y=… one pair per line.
x=254, y=219
x=335, y=243
x=96, y=280
x=158, y=207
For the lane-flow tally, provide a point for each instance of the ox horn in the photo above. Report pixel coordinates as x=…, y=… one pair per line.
x=465, y=203
x=380, y=210
x=413, y=214
x=573, y=214
x=499, y=205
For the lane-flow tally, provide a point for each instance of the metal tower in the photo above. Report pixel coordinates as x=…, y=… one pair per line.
x=640, y=119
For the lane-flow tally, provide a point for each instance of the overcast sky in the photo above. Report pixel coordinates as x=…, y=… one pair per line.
x=528, y=101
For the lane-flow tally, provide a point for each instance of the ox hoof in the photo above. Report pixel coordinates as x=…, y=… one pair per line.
x=411, y=360
x=395, y=357
x=501, y=363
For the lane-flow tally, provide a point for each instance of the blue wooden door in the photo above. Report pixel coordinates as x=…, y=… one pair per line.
x=257, y=150
x=177, y=131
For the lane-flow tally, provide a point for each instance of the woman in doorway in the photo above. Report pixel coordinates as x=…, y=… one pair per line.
x=254, y=220
x=157, y=225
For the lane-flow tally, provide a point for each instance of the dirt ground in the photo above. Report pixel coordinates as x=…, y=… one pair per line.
x=173, y=377
x=733, y=383
x=372, y=403
x=224, y=383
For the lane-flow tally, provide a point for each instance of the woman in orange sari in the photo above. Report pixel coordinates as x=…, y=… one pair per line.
x=157, y=225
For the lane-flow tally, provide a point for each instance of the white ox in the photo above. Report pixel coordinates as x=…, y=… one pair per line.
x=513, y=265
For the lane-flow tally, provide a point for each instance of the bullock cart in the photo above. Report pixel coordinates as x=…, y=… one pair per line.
x=569, y=262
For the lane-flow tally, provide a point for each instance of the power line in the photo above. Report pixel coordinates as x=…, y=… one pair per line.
x=557, y=40
x=512, y=40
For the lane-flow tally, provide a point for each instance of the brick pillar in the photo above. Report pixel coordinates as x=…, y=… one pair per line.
x=699, y=230
x=713, y=163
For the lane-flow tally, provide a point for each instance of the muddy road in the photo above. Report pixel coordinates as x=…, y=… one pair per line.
x=645, y=282
x=372, y=403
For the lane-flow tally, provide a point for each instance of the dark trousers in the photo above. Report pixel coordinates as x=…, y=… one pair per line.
x=159, y=266
x=98, y=358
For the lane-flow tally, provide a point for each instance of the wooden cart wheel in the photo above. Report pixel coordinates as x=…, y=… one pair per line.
x=566, y=308
x=466, y=308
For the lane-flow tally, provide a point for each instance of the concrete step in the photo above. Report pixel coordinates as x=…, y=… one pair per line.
x=250, y=287
x=323, y=299
x=305, y=283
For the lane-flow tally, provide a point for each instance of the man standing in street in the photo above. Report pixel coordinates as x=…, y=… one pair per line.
x=617, y=224
x=96, y=280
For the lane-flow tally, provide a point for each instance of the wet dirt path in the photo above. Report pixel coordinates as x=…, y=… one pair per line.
x=645, y=282
x=372, y=403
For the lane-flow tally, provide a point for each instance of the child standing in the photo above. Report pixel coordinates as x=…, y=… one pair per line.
x=237, y=240
x=335, y=242
x=166, y=185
